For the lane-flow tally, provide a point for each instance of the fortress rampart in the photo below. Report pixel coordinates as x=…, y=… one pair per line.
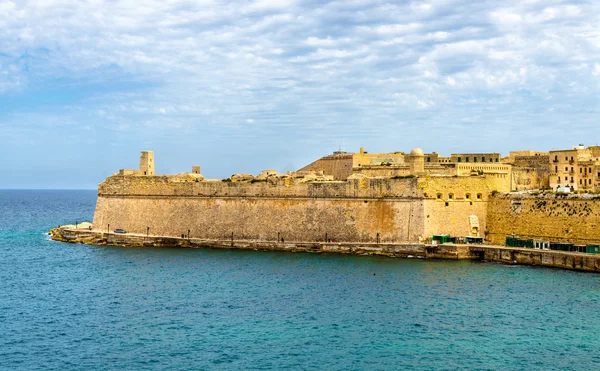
x=547, y=217
x=265, y=210
x=379, y=198
x=360, y=209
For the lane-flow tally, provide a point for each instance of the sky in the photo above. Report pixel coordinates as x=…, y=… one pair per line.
x=240, y=86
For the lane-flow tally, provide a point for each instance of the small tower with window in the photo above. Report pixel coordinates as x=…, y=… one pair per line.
x=147, y=163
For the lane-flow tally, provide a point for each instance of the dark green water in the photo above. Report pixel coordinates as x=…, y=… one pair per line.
x=79, y=307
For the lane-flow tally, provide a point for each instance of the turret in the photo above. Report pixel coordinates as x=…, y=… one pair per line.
x=416, y=159
x=147, y=163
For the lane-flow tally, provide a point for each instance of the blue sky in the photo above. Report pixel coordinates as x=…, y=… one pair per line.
x=240, y=86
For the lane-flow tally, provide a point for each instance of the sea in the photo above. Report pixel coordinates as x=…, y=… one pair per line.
x=81, y=307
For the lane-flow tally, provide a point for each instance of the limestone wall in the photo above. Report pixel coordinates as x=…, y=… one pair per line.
x=452, y=200
x=264, y=218
x=399, y=210
x=574, y=218
x=356, y=210
x=531, y=172
x=272, y=187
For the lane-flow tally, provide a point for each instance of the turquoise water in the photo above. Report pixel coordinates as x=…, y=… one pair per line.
x=79, y=307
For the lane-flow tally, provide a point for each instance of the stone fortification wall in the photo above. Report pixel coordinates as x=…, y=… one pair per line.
x=340, y=166
x=548, y=217
x=531, y=172
x=268, y=219
x=359, y=210
x=452, y=200
x=273, y=187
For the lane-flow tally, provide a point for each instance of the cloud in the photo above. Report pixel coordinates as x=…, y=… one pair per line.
x=365, y=71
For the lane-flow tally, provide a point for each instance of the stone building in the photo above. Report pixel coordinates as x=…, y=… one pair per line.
x=530, y=169
x=575, y=169
x=399, y=164
x=146, y=166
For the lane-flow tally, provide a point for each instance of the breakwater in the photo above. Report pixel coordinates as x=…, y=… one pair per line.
x=501, y=254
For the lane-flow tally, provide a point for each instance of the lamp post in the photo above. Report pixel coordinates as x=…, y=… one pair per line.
x=147, y=231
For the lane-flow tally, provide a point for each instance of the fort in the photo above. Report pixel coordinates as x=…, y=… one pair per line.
x=363, y=198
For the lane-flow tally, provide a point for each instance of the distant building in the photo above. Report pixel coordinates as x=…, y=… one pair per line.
x=577, y=168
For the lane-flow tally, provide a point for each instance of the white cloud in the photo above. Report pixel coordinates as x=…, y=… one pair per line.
x=347, y=67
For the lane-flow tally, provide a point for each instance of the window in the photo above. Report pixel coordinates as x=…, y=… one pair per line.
x=559, y=179
x=566, y=159
x=466, y=159
x=580, y=170
x=428, y=159
x=479, y=196
x=491, y=160
x=447, y=204
x=459, y=159
x=556, y=158
x=450, y=196
x=496, y=160
x=474, y=159
x=483, y=159
x=556, y=169
x=439, y=196
x=572, y=181
x=468, y=196
x=571, y=168
x=571, y=158
x=566, y=168
x=590, y=181
x=579, y=181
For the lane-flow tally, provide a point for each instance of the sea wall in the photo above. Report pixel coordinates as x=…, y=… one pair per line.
x=264, y=218
x=364, y=210
x=549, y=217
x=556, y=259
x=453, y=201
x=360, y=209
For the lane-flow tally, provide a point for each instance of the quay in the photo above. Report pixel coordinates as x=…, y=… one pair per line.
x=491, y=253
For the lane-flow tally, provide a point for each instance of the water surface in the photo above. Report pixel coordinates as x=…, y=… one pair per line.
x=76, y=307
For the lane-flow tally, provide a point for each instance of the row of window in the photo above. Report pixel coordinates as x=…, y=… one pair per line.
x=467, y=196
x=566, y=158
x=475, y=159
x=581, y=170
x=581, y=181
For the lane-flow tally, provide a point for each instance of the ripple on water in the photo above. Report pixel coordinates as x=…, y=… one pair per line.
x=82, y=307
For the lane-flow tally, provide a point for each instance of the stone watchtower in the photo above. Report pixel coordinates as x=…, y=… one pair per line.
x=147, y=163
x=416, y=160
